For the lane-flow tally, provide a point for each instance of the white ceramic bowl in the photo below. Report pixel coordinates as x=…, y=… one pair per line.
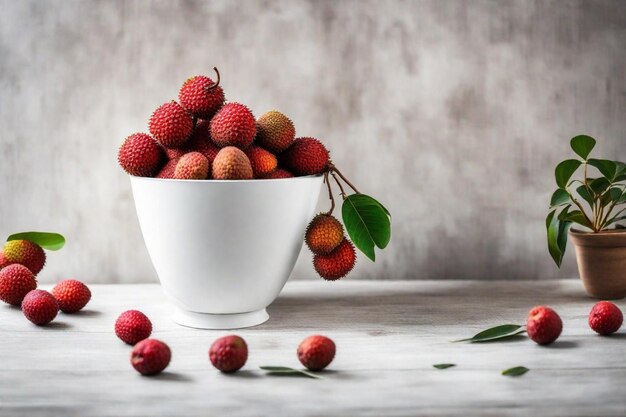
x=223, y=250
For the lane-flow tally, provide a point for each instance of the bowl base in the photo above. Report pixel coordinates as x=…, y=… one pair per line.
x=219, y=321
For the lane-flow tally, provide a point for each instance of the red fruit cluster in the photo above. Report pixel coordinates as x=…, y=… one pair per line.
x=334, y=255
x=202, y=122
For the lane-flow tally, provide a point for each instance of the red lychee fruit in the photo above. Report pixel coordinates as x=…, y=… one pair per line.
x=323, y=234
x=231, y=163
x=201, y=96
x=72, y=295
x=40, y=307
x=336, y=264
x=175, y=153
x=543, y=325
x=275, y=131
x=200, y=141
x=15, y=282
x=150, y=356
x=306, y=156
x=140, y=155
x=316, y=352
x=167, y=172
x=605, y=318
x=233, y=125
x=171, y=125
x=3, y=260
x=133, y=326
x=229, y=353
x=192, y=166
x=26, y=253
x=263, y=162
x=278, y=173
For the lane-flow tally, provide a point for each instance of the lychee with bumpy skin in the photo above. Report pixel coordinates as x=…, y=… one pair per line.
x=171, y=125
x=40, y=307
x=140, y=155
x=231, y=163
x=26, y=253
x=323, y=234
x=150, y=356
x=278, y=173
x=605, y=318
x=133, y=326
x=72, y=295
x=229, y=353
x=201, y=96
x=200, y=141
x=316, y=352
x=543, y=325
x=336, y=264
x=275, y=131
x=192, y=166
x=263, y=162
x=306, y=156
x=167, y=172
x=175, y=153
x=15, y=282
x=3, y=260
x=233, y=125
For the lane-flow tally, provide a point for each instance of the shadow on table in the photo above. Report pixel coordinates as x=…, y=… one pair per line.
x=172, y=376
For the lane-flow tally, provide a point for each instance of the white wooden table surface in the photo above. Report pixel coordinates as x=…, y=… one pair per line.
x=388, y=336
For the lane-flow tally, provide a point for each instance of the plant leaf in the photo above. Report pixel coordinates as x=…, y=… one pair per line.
x=584, y=193
x=616, y=218
x=621, y=168
x=559, y=197
x=367, y=223
x=582, y=145
x=502, y=331
x=599, y=185
x=606, y=167
x=47, y=240
x=552, y=228
x=286, y=371
x=444, y=365
x=576, y=216
x=516, y=371
x=565, y=170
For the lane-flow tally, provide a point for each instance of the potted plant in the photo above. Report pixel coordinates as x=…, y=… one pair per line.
x=597, y=203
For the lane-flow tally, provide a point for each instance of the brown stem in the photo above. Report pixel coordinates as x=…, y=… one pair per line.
x=330, y=194
x=217, y=82
x=343, y=193
x=333, y=168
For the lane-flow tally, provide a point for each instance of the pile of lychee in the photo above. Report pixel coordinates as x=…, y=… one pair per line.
x=204, y=137
x=20, y=262
x=228, y=354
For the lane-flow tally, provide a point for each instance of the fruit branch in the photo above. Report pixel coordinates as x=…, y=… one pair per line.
x=332, y=168
x=330, y=193
x=216, y=82
x=343, y=193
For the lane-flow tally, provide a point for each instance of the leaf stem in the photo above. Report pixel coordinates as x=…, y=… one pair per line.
x=343, y=193
x=330, y=193
x=333, y=168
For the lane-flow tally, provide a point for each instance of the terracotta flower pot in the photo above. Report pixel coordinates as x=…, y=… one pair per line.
x=601, y=261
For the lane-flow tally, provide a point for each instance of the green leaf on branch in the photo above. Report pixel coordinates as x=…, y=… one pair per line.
x=584, y=193
x=599, y=185
x=565, y=170
x=619, y=216
x=516, y=371
x=606, y=167
x=444, y=365
x=286, y=371
x=612, y=196
x=367, y=222
x=559, y=197
x=49, y=241
x=575, y=216
x=503, y=331
x=557, y=234
x=582, y=145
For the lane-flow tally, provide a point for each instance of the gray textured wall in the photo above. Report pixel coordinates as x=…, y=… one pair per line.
x=453, y=113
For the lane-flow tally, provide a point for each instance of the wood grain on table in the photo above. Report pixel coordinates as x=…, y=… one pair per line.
x=388, y=336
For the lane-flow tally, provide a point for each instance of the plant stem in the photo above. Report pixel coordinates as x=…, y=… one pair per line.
x=582, y=211
x=216, y=82
x=332, y=168
x=330, y=194
x=343, y=193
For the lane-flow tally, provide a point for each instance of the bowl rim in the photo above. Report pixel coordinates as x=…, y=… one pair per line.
x=300, y=178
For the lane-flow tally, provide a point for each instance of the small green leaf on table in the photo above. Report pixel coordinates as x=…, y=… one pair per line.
x=286, y=371
x=444, y=365
x=49, y=241
x=583, y=145
x=516, y=371
x=367, y=222
x=565, y=170
x=503, y=331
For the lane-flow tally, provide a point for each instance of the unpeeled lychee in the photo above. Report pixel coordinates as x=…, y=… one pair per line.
x=167, y=172
x=323, y=234
x=233, y=125
x=72, y=295
x=171, y=125
x=3, y=260
x=40, y=307
x=140, y=155
x=133, y=326
x=543, y=325
x=192, y=166
x=336, y=264
x=15, y=282
x=605, y=318
x=200, y=141
x=201, y=96
x=316, y=352
x=231, y=163
x=275, y=131
x=263, y=162
x=306, y=156
x=150, y=356
x=229, y=353
x=26, y=253
x=278, y=173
